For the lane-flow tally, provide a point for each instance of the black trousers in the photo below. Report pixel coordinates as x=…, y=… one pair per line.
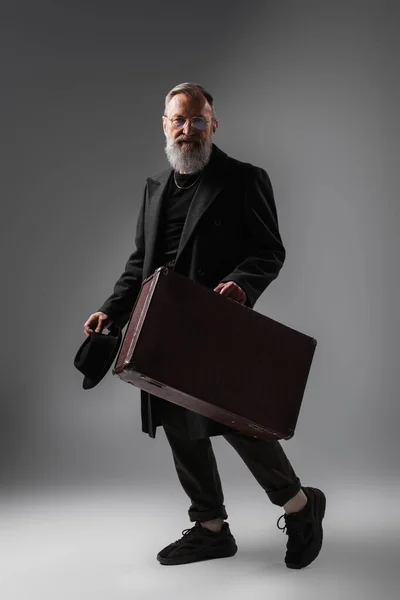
x=198, y=473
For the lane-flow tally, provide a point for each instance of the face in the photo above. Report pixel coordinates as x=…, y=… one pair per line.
x=188, y=149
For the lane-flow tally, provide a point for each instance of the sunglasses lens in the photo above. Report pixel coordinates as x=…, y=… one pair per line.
x=178, y=123
x=199, y=124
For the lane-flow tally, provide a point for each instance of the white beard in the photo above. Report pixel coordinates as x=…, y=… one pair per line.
x=188, y=157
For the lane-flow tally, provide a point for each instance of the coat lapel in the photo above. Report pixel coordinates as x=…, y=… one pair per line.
x=156, y=188
x=214, y=179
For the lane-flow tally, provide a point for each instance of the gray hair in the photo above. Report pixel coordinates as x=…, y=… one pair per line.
x=191, y=89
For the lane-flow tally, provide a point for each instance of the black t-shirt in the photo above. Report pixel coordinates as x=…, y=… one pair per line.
x=175, y=207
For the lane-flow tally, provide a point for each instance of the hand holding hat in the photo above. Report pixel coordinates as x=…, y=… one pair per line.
x=97, y=353
x=97, y=322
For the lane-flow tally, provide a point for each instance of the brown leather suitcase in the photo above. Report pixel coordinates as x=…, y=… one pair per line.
x=203, y=351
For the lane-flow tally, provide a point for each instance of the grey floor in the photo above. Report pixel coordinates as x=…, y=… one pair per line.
x=101, y=544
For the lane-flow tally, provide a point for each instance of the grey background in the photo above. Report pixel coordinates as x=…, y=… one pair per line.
x=306, y=90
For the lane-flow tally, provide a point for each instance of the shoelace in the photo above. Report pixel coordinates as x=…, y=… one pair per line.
x=277, y=524
x=295, y=529
x=290, y=526
x=186, y=532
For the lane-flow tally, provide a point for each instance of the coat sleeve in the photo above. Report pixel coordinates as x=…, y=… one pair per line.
x=264, y=252
x=126, y=290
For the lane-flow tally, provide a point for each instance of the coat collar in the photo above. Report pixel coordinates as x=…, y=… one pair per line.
x=214, y=179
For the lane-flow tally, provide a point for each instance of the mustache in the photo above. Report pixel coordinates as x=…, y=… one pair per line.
x=183, y=138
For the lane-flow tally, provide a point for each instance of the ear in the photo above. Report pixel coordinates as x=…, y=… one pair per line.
x=214, y=126
x=164, y=124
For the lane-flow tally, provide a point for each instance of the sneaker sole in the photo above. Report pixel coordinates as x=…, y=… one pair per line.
x=316, y=546
x=207, y=554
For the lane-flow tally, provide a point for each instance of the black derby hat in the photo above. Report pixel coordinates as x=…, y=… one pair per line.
x=96, y=355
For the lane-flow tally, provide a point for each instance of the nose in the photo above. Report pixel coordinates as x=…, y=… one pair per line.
x=187, y=127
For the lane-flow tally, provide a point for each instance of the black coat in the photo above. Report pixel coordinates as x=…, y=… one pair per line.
x=230, y=234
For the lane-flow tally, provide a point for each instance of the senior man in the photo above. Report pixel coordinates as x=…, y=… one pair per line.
x=213, y=219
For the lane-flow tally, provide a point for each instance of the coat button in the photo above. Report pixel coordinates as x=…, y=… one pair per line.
x=217, y=222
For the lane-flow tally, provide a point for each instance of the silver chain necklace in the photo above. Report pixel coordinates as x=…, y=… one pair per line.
x=188, y=186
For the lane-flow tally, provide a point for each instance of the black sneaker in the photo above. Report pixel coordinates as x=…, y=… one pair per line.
x=304, y=530
x=199, y=543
